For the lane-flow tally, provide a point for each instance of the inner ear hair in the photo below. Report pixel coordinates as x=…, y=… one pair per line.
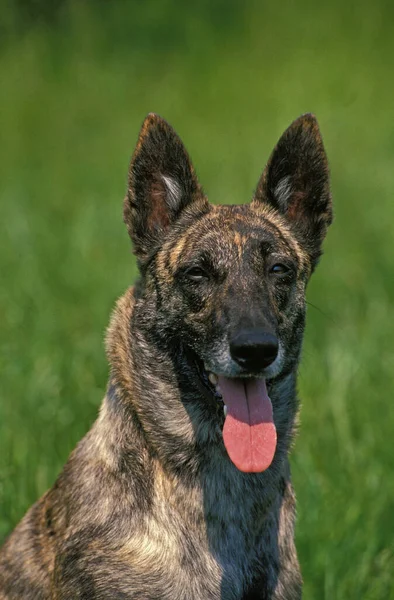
x=174, y=190
x=283, y=192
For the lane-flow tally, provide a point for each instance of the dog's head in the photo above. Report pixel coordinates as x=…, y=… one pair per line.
x=228, y=282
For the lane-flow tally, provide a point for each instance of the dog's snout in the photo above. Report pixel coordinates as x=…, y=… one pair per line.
x=254, y=349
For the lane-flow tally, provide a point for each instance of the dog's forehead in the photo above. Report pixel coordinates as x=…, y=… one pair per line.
x=227, y=234
x=238, y=228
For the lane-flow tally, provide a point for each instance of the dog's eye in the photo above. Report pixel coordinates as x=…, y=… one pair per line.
x=196, y=274
x=280, y=269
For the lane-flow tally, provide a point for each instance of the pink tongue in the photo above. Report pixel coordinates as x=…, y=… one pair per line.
x=249, y=432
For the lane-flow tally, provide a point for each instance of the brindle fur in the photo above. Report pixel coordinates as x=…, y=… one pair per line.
x=149, y=506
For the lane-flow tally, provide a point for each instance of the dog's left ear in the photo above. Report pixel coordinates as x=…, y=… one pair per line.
x=296, y=183
x=162, y=183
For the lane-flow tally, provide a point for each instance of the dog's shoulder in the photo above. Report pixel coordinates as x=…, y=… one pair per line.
x=118, y=328
x=27, y=557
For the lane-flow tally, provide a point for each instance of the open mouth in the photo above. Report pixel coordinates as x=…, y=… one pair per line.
x=208, y=381
x=249, y=432
x=211, y=381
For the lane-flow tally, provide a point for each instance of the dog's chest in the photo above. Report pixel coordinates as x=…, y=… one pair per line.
x=232, y=549
x=216, y=534
x=234, y=523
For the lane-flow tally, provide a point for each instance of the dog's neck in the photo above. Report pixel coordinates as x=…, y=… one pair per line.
x=148, y=393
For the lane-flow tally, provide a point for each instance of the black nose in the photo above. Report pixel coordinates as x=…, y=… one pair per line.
x=254, y=349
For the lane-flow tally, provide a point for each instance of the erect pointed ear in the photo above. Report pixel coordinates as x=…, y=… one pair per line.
x=161, y=184
x=296, y=183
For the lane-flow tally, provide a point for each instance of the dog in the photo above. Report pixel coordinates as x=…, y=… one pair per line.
x=181, y=489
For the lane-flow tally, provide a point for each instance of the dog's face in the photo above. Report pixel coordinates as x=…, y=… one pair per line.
x=233, y=285
x=229, y=281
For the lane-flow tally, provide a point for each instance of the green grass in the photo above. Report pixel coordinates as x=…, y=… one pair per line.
x=230, y=78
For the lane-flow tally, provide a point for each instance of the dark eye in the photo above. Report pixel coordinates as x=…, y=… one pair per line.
x=279, y=269
x=196, y=274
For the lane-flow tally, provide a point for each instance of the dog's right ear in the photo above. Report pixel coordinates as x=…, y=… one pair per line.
x=296, y=183
x=162, y=182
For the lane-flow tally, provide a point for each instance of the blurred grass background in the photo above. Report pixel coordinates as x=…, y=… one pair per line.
x=76, y=82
